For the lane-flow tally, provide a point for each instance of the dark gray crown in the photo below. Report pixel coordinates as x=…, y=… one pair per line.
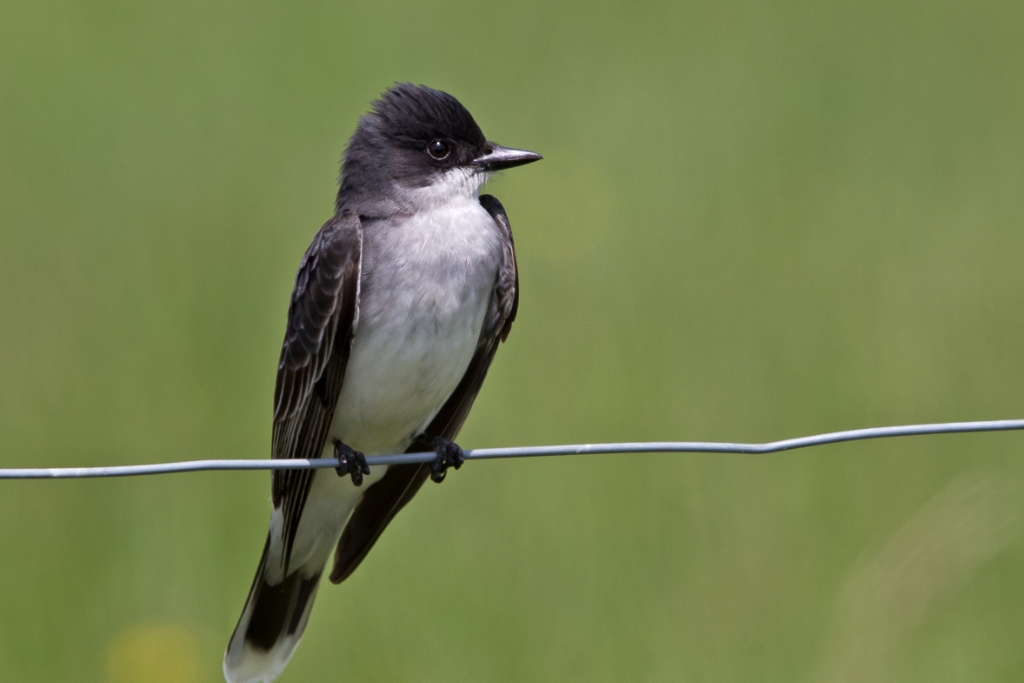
x=415, y=114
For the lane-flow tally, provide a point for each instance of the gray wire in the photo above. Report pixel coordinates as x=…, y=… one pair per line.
x=522, y=452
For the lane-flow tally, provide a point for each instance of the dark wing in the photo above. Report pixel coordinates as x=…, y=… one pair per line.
x=382, y=501
x=321, y=322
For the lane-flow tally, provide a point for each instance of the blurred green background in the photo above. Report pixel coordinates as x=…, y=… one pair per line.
x=754, y=220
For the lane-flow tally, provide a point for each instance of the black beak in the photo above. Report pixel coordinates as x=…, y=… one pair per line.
x=496, y=158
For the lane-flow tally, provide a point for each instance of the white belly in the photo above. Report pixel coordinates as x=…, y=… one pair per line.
x=399, y=376
x=421, y=313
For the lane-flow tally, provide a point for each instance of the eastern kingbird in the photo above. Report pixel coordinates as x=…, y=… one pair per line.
x=399, y=306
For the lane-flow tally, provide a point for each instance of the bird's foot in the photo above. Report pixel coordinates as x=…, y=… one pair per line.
x=350, y=462
x=448, y=455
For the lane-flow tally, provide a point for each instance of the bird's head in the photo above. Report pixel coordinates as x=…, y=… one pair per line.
x=422, y=146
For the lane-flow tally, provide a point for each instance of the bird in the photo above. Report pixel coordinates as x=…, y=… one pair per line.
x=399, y=305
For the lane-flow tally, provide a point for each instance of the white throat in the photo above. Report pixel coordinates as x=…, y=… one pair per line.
x=454, y=185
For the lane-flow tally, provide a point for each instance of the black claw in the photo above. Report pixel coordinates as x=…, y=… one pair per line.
x=350, y=462
x=448, y=455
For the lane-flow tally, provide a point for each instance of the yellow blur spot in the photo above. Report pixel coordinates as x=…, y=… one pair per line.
x=153, y=654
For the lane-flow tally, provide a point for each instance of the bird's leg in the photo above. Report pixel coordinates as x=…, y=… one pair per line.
x=448, y=455
x=350, y=462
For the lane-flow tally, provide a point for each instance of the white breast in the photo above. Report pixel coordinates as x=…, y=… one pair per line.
x=427, y=282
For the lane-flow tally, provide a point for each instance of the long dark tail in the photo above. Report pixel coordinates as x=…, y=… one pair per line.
x=271, y=625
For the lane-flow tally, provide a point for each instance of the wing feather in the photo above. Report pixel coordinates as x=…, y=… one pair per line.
x=322, y=317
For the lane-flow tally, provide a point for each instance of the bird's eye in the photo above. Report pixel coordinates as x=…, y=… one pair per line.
x=439, y=149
